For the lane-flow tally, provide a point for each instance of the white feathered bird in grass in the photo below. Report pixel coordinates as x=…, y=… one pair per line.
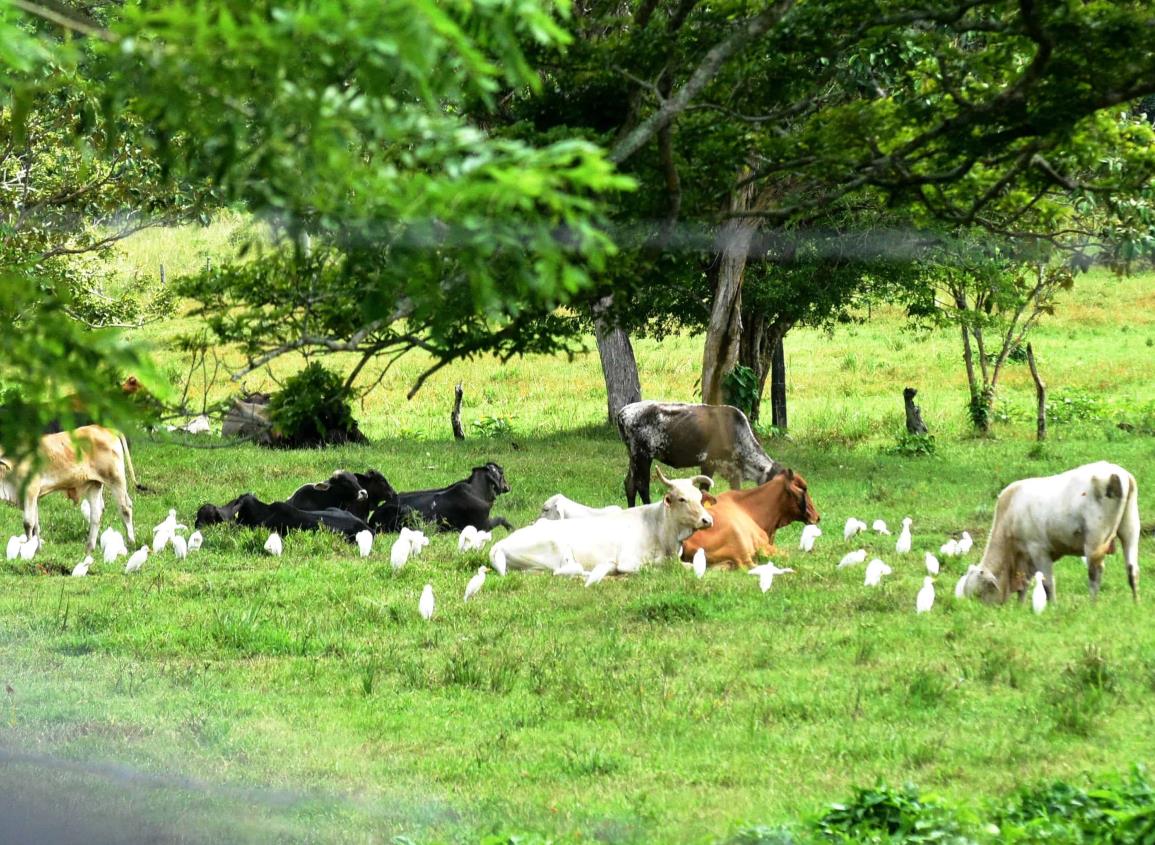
x=852, y=558
x=29, y=548
x=965, y=542
x=853, y=526
x=902, y=545
x=364, y=542
x=162, y=534
x=273, y=545
x=114, y=548
x=874, y=572
x=475, y=583
x=766, y=573
x=949, y=548
x=195, y=541
x=925, y=600
x=497, y=558
x=699, y=564
x=136, y=560
x=179, y=547
x=960, y=586
x=1039, y=594
x=417, y=541
x=399, y=553
x=107, y=535
x=932, y=565
x=425, y=604
x=465, y=538
x=880, y=526
x=81, y=569
x=14, y=544
x=810, y=534
x=599, y=572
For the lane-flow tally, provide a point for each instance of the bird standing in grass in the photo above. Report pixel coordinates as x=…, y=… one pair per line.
x=475, y=583
x=965, y=542
x=364, y=542
x=925, y=600
x=14, y=544
x=853, y=526
x=810, y=534
x=425, y=605
x=700, y=562
x=932, y=565
x=1039, y=594
x=195, y=540
x=399, y=553
x=852, y=558
x=114, y=548
x=902, y=545
x=179, y=547
x=29, y=549
x=81, y=569
x=949, y=548
x=136, y=561
x=273, y=545
x=960, y=587
x=880, y=526
x=766, y=573
x=874, y=572
x=465, y=538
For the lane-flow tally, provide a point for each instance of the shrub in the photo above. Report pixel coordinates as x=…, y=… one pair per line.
x=913, y=445
x=492, y=427
x=887, y=814
x=313, y=409
x=740, y=389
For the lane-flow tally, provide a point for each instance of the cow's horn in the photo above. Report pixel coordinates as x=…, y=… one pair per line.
x=662, y=477
x=702, y=482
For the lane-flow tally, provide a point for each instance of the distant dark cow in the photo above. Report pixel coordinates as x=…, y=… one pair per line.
x=717, y=438
x=467, y=502
x=283, y=517
x=380, y=492
x=209, y=514
x=342, y=490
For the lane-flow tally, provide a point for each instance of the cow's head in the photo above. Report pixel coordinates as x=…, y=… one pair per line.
x=769, y=471
x=345, y=487
x=552, y=508
x=377, y=488
x=686, y=499
x=983, y=585
x=797, y=495
x=495, y=477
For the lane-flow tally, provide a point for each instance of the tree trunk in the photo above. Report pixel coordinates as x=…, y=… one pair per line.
x=753, y=353
x=455, y=414
x=724, y=333
x=778, y=383
x=619, y=367
x=1041, y=395
x=914, y=423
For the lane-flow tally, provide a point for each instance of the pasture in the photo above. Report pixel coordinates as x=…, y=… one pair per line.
x=243, y=697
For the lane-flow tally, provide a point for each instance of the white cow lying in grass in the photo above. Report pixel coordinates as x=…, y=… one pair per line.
x=1039, y=520
x=628, y=540
x=561, y=507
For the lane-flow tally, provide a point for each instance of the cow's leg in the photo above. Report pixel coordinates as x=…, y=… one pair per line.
x=120, y=494
x=1047, y=567
x=95, y=497
x=1128, y=533
x=631, y=483
x=491, y=522
x=1094, y=574
x=32, y=510
x=640, y=467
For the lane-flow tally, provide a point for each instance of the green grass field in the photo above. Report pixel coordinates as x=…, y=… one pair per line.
x=236, y=696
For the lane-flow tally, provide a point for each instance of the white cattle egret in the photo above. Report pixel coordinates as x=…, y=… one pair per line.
x=853, y=526
x=925, y=600
x=86, y=512
x=874, y=572
x=417, y=541
x=29, y=549
x=1039, y=594
x=107, y=535
x=880, y=526
x=114, y=548
x=852, y=558
x=810, y=533
x=766, y=573
x=481, y=538
x=160, y=538
x=273, y=545
x=931, y=564
x=399, y=553
x=81, y=569
x=960, y=587
x=14, y=544
x=195, y=540
x=599, y=572
x=179, y=547
x=902, y=546
x=498, y=561
x=475, y=583
x=964, y=544
x=465, y=538
x=425, y=605
x=949, y=548
x=136, y=561
x=364, y=542
x=700, y=562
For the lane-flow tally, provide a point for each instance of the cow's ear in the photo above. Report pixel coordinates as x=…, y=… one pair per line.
x=668, y=499
x=322, y=486
x=789, y=474
x=707, y=499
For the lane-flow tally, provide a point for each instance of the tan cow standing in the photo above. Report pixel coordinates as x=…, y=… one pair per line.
x=100, y=463
x=1039, y=520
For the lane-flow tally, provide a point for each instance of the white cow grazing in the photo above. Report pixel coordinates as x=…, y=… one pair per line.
x=561, y=507
x=1039, y=520
x=627, y=540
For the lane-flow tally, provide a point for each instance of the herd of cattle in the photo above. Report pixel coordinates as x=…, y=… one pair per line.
x=1080, y=512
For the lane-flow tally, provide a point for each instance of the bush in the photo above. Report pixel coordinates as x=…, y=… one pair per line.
x=740, y=389
x=890, y=815
x=313, y=409
x=1074, y=406
x=913, y=445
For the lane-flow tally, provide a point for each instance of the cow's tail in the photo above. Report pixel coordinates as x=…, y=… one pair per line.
x=129, y=469
x=1128, y=533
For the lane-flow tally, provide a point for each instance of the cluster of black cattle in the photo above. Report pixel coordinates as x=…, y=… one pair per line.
x=352, y=502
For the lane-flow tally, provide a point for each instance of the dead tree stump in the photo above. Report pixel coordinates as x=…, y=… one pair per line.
x=455, y=417
x=914, y=423
x=1041, y=394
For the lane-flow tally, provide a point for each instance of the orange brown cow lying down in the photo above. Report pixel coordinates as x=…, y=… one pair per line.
x=101, y=463
x=745, y=521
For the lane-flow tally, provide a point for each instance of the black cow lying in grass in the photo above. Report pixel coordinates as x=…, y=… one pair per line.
x=342, y=490
x=468, y=502
x=281, y=517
